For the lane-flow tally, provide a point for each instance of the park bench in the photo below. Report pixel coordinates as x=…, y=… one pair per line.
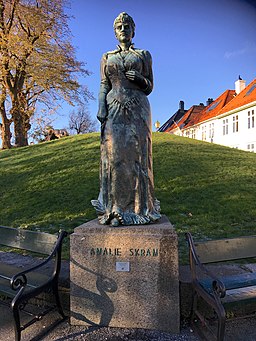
x=19, y=284
x=220, y=291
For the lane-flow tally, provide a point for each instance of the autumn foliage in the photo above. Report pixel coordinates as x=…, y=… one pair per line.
x=37, y=64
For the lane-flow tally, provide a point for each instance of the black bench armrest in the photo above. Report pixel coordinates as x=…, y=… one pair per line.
x=218, y=286
x=19, y=280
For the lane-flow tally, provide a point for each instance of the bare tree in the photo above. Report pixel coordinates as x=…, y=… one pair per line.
x=41, y=123
x=81, y=122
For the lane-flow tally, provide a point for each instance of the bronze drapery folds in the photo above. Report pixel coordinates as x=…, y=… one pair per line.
x=126, y=174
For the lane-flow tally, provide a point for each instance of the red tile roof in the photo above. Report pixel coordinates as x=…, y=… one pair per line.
x=226, y=102
x=246, y=96
x=171, y=122
x=213, y=109
x=189, y=116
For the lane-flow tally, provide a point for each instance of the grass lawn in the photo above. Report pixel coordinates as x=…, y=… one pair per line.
x=204, y=188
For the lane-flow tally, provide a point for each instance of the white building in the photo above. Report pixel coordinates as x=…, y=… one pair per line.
x=229, y=120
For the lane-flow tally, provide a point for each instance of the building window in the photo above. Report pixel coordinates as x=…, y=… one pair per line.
x=250, y=147
x=251, y=119
x=204, y=133
x=225, y=126
x=235, y=123
x=211, y=131
x=193, y=134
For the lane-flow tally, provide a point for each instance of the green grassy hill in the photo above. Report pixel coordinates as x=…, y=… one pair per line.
x=207, y=189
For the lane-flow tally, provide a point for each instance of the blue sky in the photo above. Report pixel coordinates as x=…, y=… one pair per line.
x=199, y=47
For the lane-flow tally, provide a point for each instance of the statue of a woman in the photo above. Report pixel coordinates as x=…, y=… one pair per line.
x=126, y=175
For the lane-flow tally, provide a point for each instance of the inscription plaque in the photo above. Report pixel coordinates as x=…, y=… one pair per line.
x=123, y=266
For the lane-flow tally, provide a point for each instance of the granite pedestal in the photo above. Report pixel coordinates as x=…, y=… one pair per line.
x=125, y=276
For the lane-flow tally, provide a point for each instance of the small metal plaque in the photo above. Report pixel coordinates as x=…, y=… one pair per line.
x=123, y=266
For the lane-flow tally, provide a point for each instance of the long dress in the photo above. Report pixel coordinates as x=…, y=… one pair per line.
x=126, y=173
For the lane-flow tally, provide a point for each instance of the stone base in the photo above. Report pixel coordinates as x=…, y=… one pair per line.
x=125, y=277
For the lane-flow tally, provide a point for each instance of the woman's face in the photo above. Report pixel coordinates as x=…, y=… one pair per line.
x=124, y=32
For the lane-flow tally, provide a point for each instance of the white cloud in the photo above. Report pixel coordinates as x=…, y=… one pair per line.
x=248, y=48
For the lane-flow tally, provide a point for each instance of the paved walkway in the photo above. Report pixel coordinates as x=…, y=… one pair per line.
x=238, y=330
x=50, y=328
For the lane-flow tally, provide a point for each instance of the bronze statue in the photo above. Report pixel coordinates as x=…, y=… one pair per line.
x=126, y=175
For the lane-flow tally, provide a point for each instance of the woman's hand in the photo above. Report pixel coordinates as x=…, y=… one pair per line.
x=136, y=77
x=102, y=115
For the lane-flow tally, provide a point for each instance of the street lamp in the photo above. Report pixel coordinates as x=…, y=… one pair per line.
x=157, y=125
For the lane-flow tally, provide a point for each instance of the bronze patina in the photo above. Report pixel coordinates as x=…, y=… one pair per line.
x=126, y=174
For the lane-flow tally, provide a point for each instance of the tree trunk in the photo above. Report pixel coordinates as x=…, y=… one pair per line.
x=5, y=128
x=20, y=132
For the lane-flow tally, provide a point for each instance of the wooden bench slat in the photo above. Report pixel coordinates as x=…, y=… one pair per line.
x=239, y=295
x=227, y=289
x=35, y=279
x=212, y=251
x=39, y=242
x=232, y=282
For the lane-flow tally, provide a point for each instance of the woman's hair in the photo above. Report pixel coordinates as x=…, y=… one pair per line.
x=124, y=18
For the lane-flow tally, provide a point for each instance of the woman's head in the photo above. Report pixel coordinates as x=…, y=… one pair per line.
x=124, y=27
